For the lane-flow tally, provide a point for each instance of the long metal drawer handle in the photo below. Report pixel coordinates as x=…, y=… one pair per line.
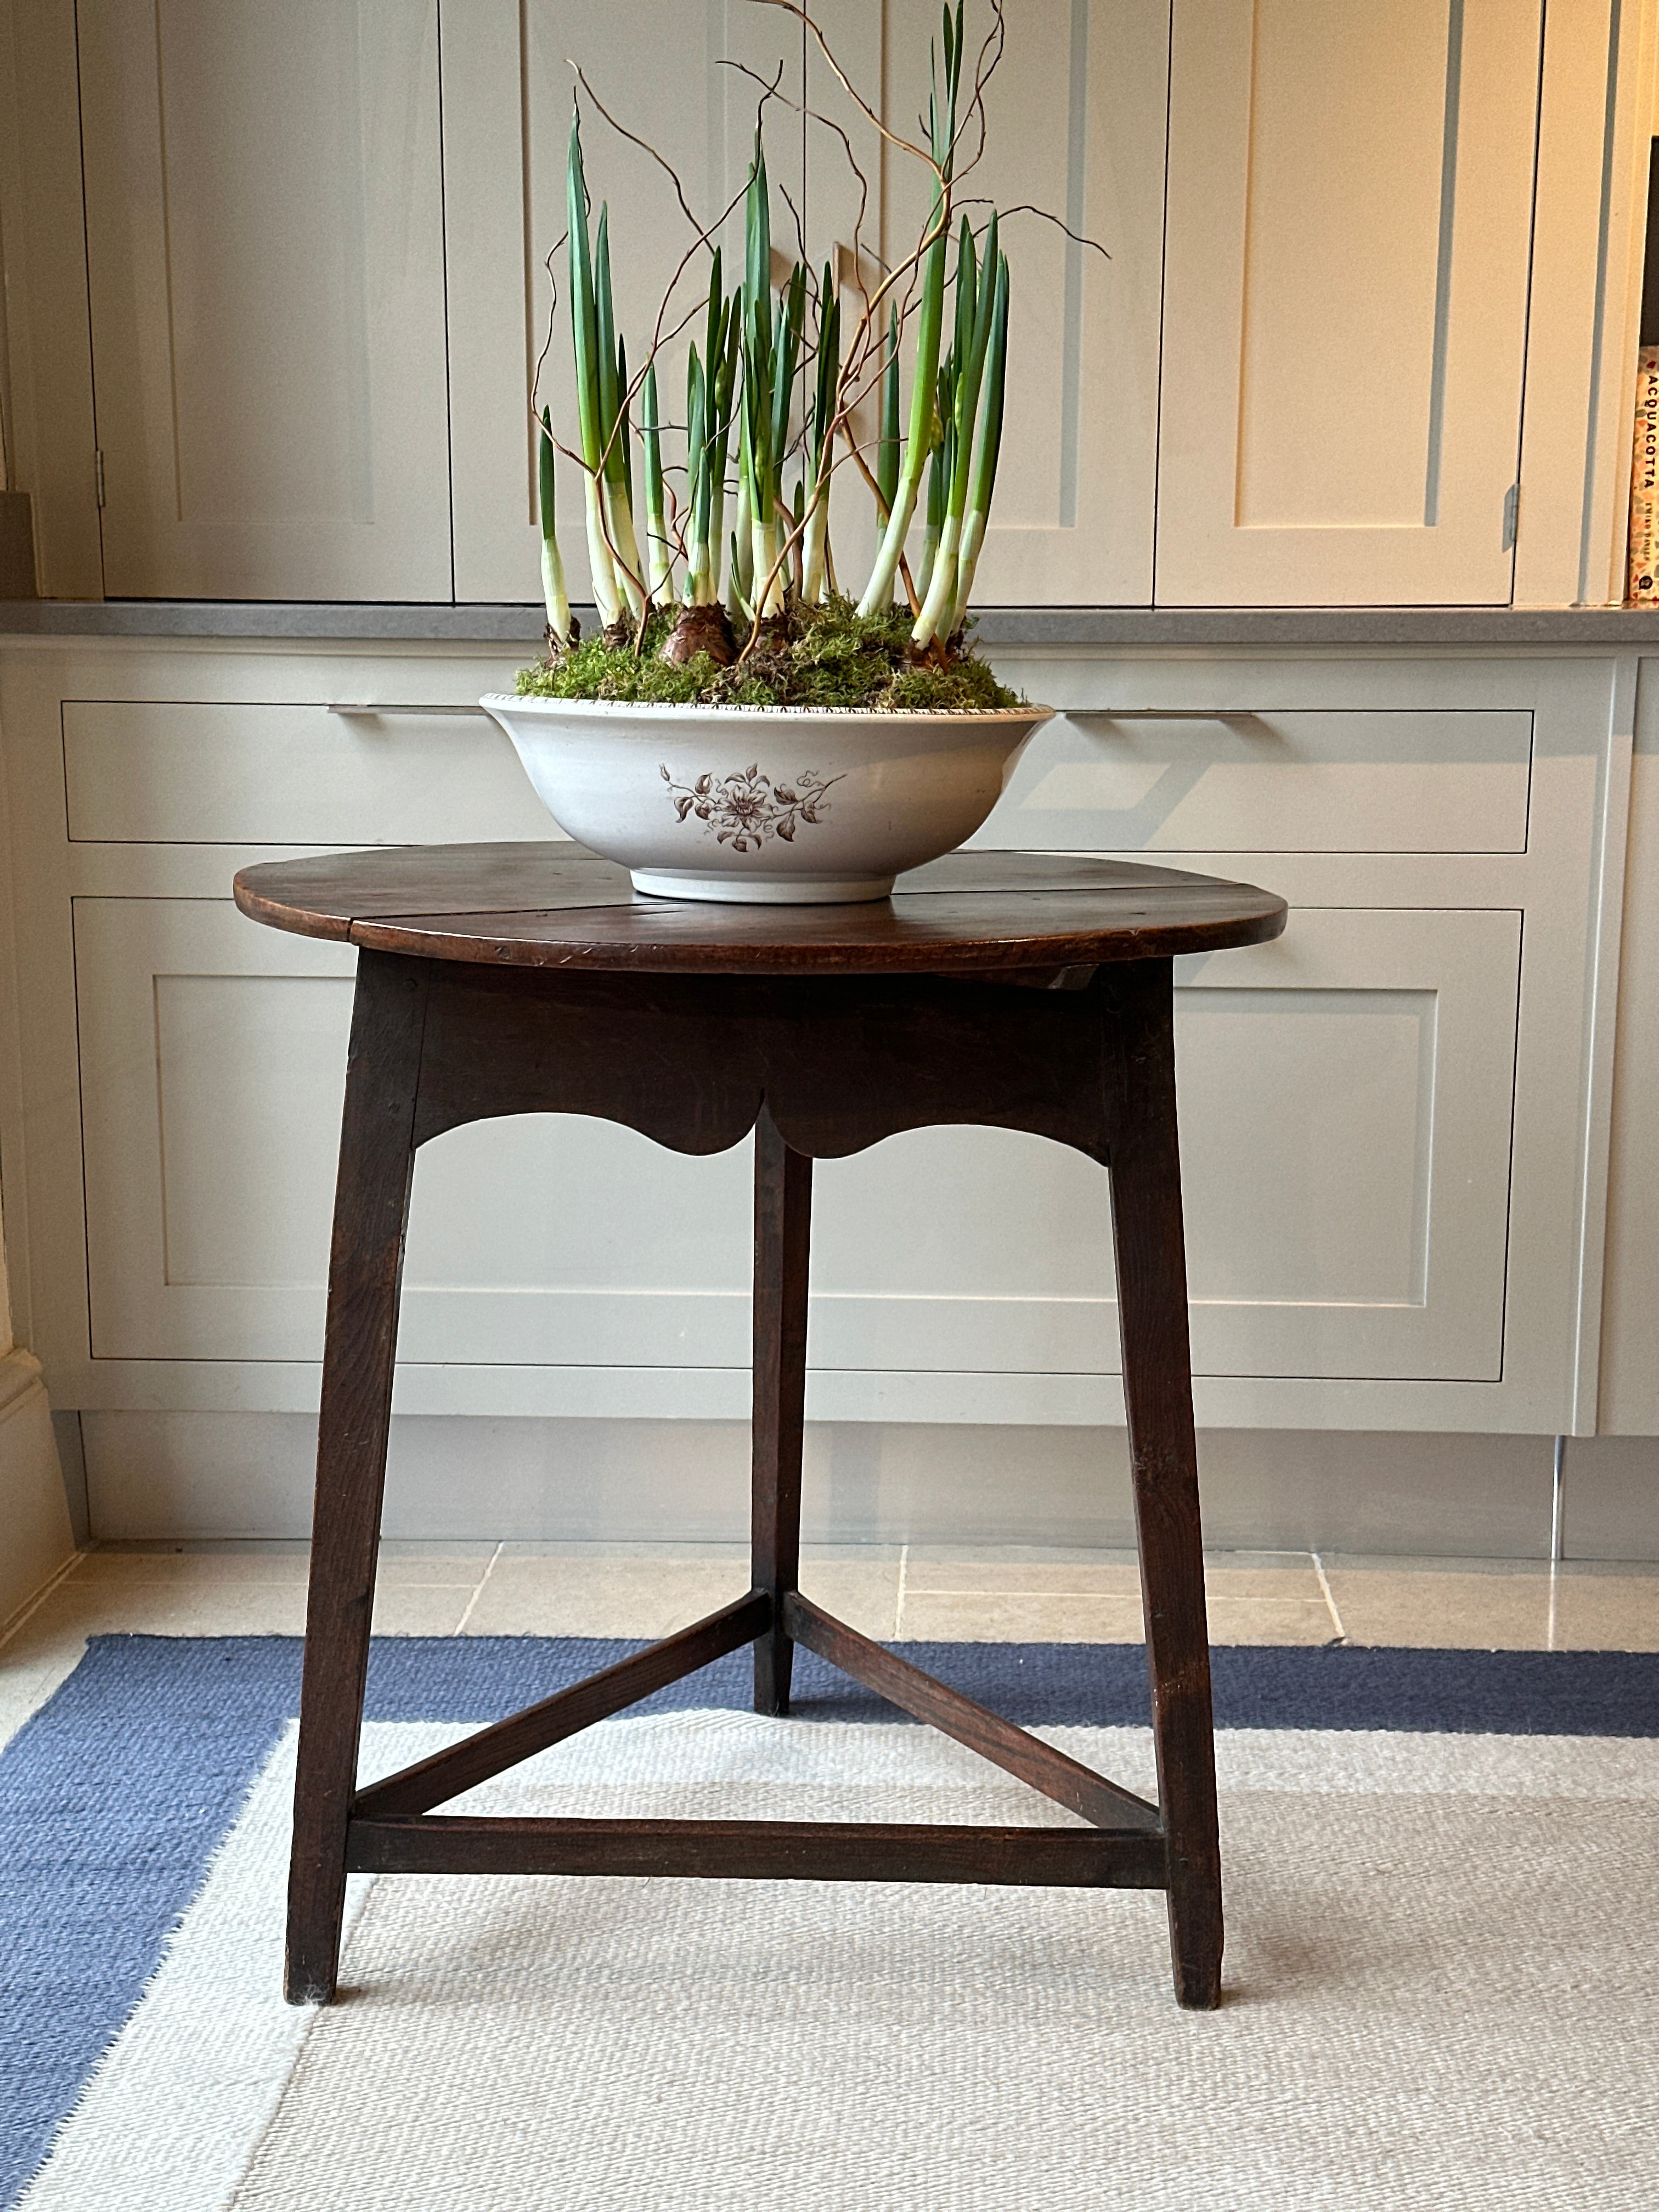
x=391, y=707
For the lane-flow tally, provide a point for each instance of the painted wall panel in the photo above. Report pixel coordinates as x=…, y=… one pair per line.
x=1076, y=129
x=509, y=84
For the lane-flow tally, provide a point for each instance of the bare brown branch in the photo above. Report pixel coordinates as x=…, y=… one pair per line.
x=804, y=17
x=645, y=146
x=1042, y=215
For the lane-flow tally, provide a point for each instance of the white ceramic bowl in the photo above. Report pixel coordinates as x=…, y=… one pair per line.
x=770, y=804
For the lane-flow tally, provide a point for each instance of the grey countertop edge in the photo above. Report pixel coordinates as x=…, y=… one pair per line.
x=1626, y=629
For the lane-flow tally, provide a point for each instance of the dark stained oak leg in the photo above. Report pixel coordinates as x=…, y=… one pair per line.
x=783, y=1207
x=371, y=1208
x=1151, y=1276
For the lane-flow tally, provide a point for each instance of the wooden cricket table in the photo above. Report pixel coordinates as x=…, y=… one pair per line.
x=1016, y=991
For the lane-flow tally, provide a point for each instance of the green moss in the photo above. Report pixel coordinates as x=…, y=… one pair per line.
x=833, y=657
x=966, y=685
x=595, y=669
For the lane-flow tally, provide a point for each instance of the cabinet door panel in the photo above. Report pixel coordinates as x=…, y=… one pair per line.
x=212, y=1074
x=1345, y=308
x=265, y=237
x=1346, y=1100
x=508, y=81
x=213, y=1068
x=1075, y=116
x=1078, y=129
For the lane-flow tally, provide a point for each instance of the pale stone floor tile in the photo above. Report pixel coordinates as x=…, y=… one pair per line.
x=640, y=1555
x=1249, y=1620
x=475, y=1552
x=863, y=1555
x=237, y=1609
x=131, y=1569
x=1291, y=1583
x=409, y=1567
x=1607, y=1613
x=1286, y=1562
x=1101, y=1555
x=219, y=1565
x=32, y=1666
x=1061, y=1617
x=1276, y=1577
x=1398, y=1563
x=1471, y=1611
x=199, y=1548
x=1278, y=1585
x=1021, y=1578
x=623, y=1593
x=248, y=1608
x=736, y=1551
x=602, y=1596
x=1014, y=1617
x=421, y=1608
x=865, y=1596
x=1017, y=1557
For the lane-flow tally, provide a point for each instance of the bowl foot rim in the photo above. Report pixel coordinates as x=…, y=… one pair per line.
x=734, y=889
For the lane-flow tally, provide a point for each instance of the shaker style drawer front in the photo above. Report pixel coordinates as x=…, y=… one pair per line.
x=1272, y=779
x=415, y=772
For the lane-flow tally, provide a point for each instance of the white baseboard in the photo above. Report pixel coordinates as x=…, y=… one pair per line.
x=34, y=1518
x=205, y=1475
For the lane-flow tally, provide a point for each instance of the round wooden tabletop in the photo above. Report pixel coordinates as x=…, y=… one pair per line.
x=555, y=905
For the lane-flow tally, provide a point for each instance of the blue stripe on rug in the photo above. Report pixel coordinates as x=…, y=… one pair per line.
x=115, y=1795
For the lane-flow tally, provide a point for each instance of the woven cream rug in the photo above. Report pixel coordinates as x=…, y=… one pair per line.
x=1441, y=1978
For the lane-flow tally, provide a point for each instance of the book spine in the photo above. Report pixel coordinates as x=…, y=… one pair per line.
x=1643, y=589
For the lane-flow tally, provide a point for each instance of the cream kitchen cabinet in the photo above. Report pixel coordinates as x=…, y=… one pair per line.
x=1297, y=374
x=1348, y=315
x=1430, y=822
x=1630, y=1340
x=1390, y=1115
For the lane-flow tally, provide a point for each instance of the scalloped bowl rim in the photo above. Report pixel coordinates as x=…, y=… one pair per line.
x=536, y=702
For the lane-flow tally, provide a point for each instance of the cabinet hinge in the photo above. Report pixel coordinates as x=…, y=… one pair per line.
x=1511, y=516
x=98, y=469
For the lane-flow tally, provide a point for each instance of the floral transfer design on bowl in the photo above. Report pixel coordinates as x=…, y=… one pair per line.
x=745, y=808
